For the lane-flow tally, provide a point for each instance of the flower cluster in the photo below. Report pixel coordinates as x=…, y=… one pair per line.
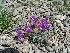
x=20, y=34
x=37, y=25
x=28, y=29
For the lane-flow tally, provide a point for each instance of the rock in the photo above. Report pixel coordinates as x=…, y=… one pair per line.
x=31, y=51
x=57, y=17
x=14, y=33
x=1, y=47
x=30, y=48
x=49, y=42
x=9, y=50
x=15, y=12
x=49, y=48
x=42, y=49
x=69, y=50
x=34, y=47
x=64, y=50
x=37, y=51
x=63, y=17
x=20, y=18
x=25, y=49
x=5, y=45
x=19, y=9
x=14, y=19
x=20, y=23
x=20, y=49
x=58, y=21
x=47, y=13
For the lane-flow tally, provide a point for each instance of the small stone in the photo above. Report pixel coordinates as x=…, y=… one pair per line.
x=28, y=9
x=19, y=9
x=13, y=19
x=20, y=18
x=49, y=42
x=47, y=14
x=30, y=48
x=58, y=17
x=63, y=17
x=25, y=49
x=34, y=47
x=42, y=49
x=69, y=50
x=49, y=48
x=64, y=50
x=20, y=23
x=38, y=51
x=3, y=37
x=20, y=49
x=1, y=47
x=31, y=51
x=15, y=13
x=58, y=21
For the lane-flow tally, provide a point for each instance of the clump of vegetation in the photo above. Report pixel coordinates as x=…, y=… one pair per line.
x=57, y=3
x=35, y=30
x=64, y=6
x=5, y=19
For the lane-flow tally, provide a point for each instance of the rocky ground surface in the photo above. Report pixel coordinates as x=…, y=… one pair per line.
x=59, y=41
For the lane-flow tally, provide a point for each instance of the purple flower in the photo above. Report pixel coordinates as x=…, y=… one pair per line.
x=28, y=29
x=46, y=18
x=19, y=32
x=18, y=28
x=45, y=26
x=33, y=18
x=20, y=38
x=37, y=23
x=36, y=19
x=48, y=26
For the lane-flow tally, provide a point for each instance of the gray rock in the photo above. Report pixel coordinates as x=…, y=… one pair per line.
x=49, y=48
x=42, y=49
x=64, y=50
x=1, y=47
x=34, y=47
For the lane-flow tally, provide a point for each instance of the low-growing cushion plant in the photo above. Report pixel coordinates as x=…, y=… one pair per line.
x=5, y=19
x=35, y=30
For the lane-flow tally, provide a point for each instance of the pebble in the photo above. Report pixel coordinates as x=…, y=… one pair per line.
x=31, y=51
x=63, y=17
x=38, y=51
x=1, y=47
x=64, y=50
x=49, y=48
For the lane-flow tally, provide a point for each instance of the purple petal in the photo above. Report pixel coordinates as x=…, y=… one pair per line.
x=20, y=38
x=46, y=18
x=19, y=32
x=28, y=29
x=18, y=28
x=48, y=26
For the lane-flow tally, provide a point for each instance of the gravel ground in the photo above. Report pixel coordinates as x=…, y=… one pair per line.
x=60, y=32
